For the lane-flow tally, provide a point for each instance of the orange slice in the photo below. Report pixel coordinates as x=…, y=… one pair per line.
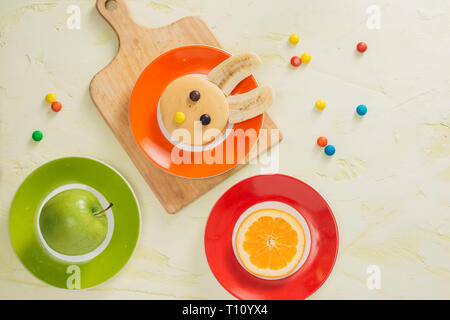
x=270, y=243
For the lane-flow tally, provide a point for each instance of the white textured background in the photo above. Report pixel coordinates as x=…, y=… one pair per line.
x=388, y=183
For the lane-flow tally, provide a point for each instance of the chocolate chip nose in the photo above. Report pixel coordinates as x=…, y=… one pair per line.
x=194, y=95
x=205, y=119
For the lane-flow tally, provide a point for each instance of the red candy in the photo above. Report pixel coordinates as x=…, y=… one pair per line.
x=56, y=106
x=361, y=47
x=322, y=141
x=296, y=61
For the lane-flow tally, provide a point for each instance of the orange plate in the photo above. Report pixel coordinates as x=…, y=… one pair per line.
x=194, y=59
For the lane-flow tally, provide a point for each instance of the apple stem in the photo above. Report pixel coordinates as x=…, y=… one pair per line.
x=107, y=208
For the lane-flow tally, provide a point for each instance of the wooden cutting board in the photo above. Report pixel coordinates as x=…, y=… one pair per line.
x=111, y=90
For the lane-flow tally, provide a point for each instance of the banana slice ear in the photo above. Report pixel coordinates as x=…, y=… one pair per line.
x=233, y=70
x=250, y=104
x=227, y=76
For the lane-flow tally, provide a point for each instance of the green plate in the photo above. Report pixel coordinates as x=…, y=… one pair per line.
x=74, y=272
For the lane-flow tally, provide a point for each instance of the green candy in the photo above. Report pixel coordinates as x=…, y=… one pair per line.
x=37, y=135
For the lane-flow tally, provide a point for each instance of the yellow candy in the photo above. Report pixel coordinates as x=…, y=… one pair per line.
x=321, y=104
x=294, y=38
x=179, y=117
x=306, y=57
x=50, y=97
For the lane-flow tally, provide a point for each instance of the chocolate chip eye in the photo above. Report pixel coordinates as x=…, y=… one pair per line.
x=194, y=95
x=205, y=119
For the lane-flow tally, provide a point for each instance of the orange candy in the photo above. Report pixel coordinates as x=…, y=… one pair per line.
x=322, y=141
x=56, y=106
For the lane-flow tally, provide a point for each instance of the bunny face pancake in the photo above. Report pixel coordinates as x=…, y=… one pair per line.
x=195, y=110
x=196, y=105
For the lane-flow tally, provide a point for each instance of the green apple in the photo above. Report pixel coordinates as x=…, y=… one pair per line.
x=73, y=222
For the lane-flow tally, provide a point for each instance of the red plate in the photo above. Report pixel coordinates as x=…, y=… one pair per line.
x=293, y=192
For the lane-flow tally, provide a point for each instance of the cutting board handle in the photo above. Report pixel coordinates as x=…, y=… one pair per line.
x=117, y=14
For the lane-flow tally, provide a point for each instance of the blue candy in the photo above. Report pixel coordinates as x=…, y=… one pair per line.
x=330, y=150
x=361, y=109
